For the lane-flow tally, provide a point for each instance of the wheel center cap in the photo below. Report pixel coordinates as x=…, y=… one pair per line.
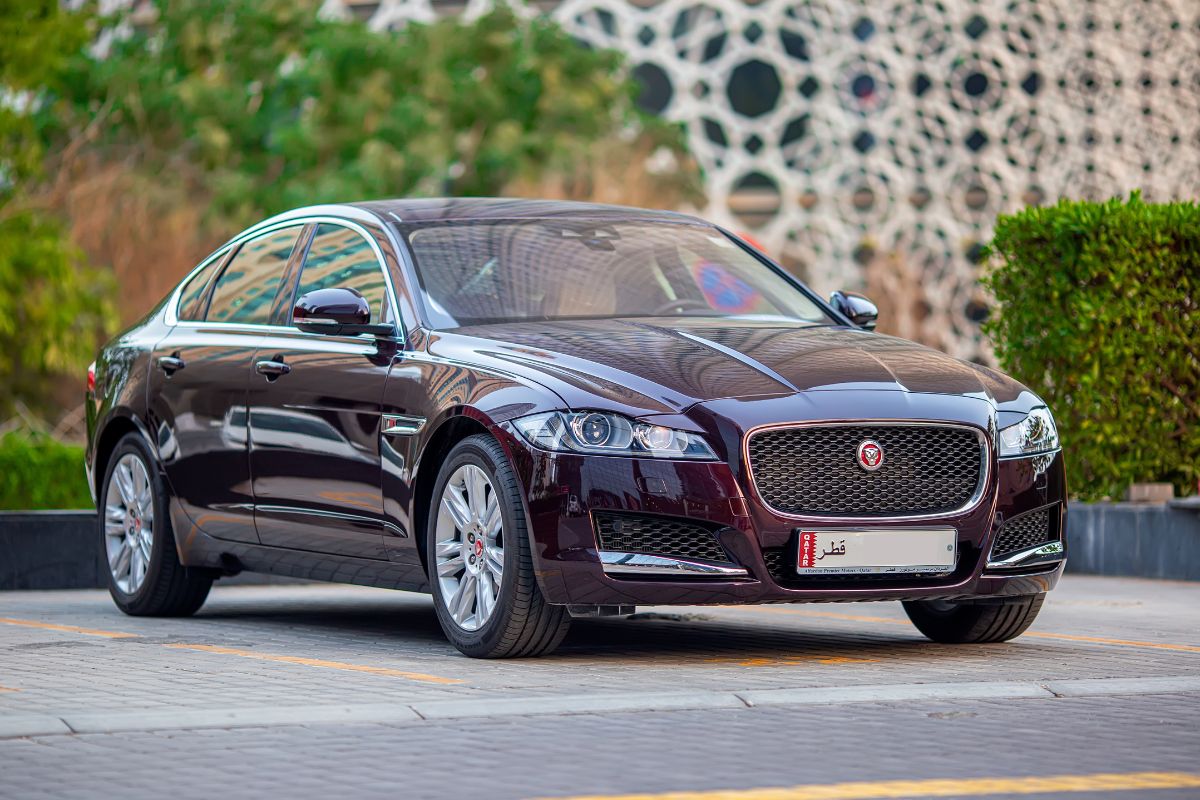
x=478, y=546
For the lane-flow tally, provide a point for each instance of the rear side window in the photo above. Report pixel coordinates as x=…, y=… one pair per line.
x=191, y=298
x=246, y=289
x=341, y=257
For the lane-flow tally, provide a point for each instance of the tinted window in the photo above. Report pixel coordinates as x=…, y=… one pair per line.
x=246, y=289
x=340, y=257
x=483, y=272
x=191, y=299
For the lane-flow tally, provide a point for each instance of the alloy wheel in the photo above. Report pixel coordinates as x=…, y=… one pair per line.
x=129, y=523
x=469, y=547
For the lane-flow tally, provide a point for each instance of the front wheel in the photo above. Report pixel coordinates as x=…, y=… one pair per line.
x=974, y=623
x=480, y=565
x=145, y=577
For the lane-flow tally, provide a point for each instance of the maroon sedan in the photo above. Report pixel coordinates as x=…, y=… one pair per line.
x=541, y=410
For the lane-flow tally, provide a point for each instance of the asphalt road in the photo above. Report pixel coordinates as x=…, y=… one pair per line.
x=319, y=691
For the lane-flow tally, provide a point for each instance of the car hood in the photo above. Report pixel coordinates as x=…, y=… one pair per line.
x=663, y=365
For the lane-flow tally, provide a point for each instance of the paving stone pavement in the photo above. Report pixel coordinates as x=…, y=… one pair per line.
x=315, y=690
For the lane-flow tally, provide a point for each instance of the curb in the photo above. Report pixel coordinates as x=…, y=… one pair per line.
x=29, y=725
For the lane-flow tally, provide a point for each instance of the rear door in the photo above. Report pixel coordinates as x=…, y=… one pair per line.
x=199, y=377
x=315, y=413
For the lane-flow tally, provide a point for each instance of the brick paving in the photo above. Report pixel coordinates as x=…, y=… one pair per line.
x=296, y=649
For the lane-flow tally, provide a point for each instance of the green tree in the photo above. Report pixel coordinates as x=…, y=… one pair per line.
x=275, y=107
x=52, y=305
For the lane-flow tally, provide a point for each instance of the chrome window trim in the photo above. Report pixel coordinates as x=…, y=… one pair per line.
x=172, y=313
x=985, y=472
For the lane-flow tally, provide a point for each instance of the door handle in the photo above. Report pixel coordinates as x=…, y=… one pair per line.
x=171, y=364
x=271, y=369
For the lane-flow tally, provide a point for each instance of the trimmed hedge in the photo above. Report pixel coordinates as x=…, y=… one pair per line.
x=38, y=472
x=1098, y=313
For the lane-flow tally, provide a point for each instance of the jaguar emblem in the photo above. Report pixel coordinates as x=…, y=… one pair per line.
x=870, y=455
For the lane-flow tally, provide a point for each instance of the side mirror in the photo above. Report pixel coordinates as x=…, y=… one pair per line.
x=858, y=309
x=341, y=311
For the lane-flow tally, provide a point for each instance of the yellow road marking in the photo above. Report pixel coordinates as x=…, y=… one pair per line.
x=50, y=626
x=789, y=661
x=8, y=689
x=316, y=662
x=938, y=787
x=1065, y=637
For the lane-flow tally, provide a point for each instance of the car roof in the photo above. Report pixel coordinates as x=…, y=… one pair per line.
x=444, y=209
x=417, y=212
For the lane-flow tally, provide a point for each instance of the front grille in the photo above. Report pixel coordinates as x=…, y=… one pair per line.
x=814, y=470
x=1024, y=531
x=655, y=535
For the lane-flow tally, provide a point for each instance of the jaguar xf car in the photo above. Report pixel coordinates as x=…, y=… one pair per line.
x=537, y=410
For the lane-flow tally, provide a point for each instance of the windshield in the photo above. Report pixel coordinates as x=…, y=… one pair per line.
x=474, y=273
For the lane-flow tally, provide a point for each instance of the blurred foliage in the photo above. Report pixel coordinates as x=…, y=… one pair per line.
x=274, y=107
x=37, y=39
x=37, y=472
x=52, y=304
x=52, y=308
x=1100, y=314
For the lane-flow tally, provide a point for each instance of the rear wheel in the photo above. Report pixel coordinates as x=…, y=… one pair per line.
x=974, y=623
x=487, y=598
x=145, y=577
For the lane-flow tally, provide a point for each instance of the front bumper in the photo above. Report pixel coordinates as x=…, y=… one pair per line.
x=563, y=490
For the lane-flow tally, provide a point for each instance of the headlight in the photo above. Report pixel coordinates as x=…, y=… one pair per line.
x=1034, y=434
x=611, y=435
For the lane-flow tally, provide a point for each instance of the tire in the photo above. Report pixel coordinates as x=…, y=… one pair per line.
x=165, y=588
x=519, y=622
x=974, y=623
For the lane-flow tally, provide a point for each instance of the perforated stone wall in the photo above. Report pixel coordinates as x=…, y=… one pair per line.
x=872, y=144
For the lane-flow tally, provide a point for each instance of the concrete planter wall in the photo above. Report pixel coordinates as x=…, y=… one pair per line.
x=58, y=549
x=50, y=550
x=1145, y=541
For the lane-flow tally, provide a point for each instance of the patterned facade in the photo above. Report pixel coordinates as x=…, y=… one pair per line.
x=871, y=144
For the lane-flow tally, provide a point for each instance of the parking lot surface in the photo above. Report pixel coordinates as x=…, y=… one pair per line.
x=321, y=690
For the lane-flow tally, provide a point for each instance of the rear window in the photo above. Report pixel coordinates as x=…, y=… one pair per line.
x=191, y=298
x=246, y=290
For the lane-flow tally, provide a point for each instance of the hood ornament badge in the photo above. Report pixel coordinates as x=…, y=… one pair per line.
x=870, y=455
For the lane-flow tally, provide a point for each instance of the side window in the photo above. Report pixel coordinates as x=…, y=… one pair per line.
x=191, y=299
x=340, y=257
x=246, y=289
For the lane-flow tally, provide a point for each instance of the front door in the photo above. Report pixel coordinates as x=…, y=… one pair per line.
x=314, y=404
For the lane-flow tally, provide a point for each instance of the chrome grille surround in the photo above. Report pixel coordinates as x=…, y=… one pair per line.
x=849, y=471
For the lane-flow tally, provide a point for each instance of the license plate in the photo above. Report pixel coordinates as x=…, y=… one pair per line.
x=845, y=551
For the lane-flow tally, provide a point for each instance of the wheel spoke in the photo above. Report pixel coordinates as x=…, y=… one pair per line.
x=494, y=559
x=123, y=478
x=450, y=567
x=141, y=487
x=454, y=505
x=448, y=549
x=492, y=519
x=137, y=569
x=119, y=563
x=463, y=601
x=476, y=483
x=486, y=596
